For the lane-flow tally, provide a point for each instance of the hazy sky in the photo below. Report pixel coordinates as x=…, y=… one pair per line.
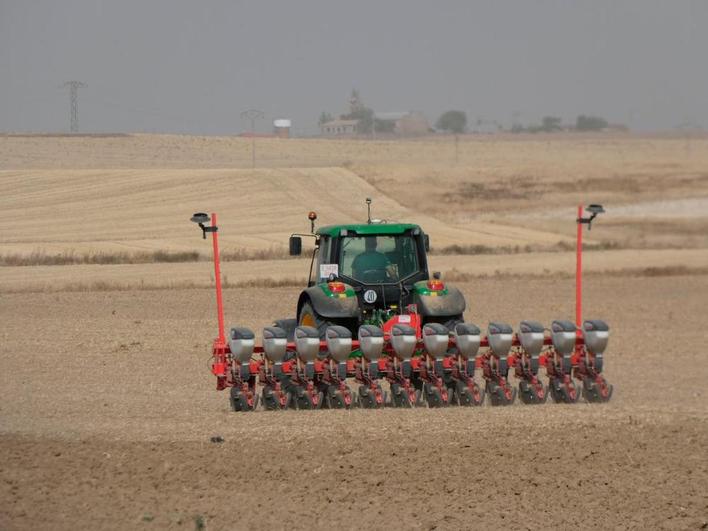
x=189, y=66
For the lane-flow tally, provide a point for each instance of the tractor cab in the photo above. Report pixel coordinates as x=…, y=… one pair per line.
x=366, y=273
x=370, y=254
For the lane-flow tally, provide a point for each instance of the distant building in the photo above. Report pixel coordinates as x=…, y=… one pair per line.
x=413, y=123
x=339, y=128
x=281, y=127
x=391, y=123
x=402, y=123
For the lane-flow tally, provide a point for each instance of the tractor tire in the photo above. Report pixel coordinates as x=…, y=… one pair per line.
x=309, y=317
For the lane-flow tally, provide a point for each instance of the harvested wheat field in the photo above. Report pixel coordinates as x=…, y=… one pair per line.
x=108, y=408
x=133, y=193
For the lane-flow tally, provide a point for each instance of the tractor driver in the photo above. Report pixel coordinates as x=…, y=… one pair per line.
x=372, y=265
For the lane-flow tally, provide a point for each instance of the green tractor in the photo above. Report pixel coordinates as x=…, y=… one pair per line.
x=369, y=273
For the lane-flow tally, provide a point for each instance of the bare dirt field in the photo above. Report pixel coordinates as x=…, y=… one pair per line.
x=107, y=411
x=107, y=406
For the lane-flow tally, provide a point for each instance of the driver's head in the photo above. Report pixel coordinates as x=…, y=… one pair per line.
x=370, y=243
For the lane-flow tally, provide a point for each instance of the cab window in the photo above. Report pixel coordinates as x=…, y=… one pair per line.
x=377, y=259
x=323, y=254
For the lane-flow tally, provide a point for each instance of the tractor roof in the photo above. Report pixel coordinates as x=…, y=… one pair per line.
x=367, y=229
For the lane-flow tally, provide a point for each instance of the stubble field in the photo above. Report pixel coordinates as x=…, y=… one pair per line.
x=107, y=407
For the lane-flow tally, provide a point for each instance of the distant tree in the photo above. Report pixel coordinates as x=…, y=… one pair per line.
x=551, y=123
x=324, y=118
x=533, y=128
x=590, y=123
x=365, y=118
x=453, y=121
x=385, y=126
x=360, y=112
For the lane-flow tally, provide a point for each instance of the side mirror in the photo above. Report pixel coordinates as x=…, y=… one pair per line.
x=426, y=238
x=295, y=245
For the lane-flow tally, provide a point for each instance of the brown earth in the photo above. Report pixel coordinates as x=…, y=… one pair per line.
x=107, y=406
x=107, y=409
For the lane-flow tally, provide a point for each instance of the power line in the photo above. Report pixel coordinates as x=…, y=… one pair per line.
x=74, y=87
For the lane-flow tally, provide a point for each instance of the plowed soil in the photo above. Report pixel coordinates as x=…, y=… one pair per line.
x=107, y=411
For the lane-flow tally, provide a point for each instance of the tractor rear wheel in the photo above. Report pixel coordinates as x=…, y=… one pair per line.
x=309, y=317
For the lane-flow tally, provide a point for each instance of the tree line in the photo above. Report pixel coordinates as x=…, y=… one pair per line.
x=455, y=121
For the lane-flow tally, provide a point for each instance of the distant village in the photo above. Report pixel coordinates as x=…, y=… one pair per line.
x=362, y=121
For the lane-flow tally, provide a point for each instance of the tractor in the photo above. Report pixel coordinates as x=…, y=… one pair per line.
x=367, y=273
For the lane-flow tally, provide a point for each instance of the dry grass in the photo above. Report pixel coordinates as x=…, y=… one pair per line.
x=61, y=211
x=478, y=249
x=452, y=275
x=559, y=247
x=535, y=185
x=668, y=271
x=249, y=255
x=67, y=258
x=106, y=285
x=524, y=152
x=517, y=187
x=42, y=258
